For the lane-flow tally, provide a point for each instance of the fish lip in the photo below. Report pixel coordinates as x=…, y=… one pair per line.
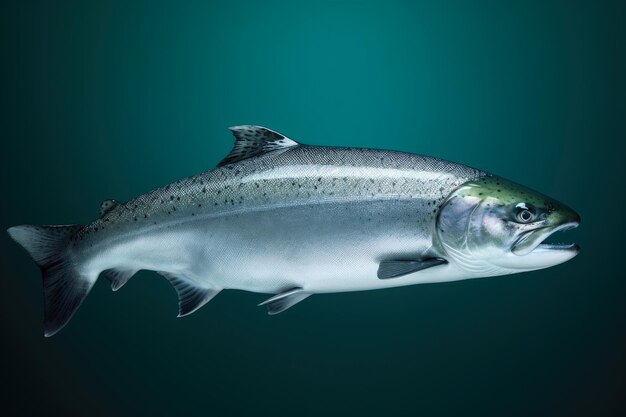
x=546, y=232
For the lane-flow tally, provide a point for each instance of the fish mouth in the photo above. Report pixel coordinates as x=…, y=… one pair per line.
x=533, y=241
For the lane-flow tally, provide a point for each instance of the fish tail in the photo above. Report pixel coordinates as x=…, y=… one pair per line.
x=65, y=287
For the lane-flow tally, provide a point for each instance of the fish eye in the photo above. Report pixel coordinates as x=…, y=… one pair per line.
x=525, y=215
x=525, y=212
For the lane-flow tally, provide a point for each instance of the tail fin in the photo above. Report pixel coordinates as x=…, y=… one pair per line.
x=64, y=287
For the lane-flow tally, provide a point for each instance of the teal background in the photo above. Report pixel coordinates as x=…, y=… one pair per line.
x=112, y=99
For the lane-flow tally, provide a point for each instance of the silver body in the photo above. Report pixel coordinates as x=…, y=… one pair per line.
x=293, y=220
x=317, y=218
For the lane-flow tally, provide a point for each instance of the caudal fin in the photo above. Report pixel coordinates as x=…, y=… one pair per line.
x=64, y=287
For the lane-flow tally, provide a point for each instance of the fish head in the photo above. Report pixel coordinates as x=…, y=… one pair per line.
x=491, y=226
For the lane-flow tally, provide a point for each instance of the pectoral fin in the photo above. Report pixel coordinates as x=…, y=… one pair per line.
x=395, y=269
x=284, y=300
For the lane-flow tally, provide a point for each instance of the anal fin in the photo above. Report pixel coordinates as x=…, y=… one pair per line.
x=118, y=277
x=395, y=269
x=190, y=296
x=284, y=300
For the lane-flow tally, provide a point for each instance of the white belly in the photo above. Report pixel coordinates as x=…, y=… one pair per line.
x=323, y=248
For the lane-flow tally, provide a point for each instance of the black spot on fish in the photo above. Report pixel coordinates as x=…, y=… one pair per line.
x=172, y=198
x=204, y=190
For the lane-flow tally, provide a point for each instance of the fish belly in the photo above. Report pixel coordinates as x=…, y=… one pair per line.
x=325, y=247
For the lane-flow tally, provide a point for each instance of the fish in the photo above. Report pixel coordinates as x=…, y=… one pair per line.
x=287, y=219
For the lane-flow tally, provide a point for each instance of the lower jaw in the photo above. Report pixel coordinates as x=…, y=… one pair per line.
x=525, y=246
x=556, y=246
x=544, y=255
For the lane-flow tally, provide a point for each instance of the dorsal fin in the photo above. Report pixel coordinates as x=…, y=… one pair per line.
x=108, y=205
x=255, y=140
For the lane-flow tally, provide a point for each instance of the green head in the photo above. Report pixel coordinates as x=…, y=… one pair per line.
x=492, y=226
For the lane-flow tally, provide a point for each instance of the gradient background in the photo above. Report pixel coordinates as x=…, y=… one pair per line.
x=112, y=99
